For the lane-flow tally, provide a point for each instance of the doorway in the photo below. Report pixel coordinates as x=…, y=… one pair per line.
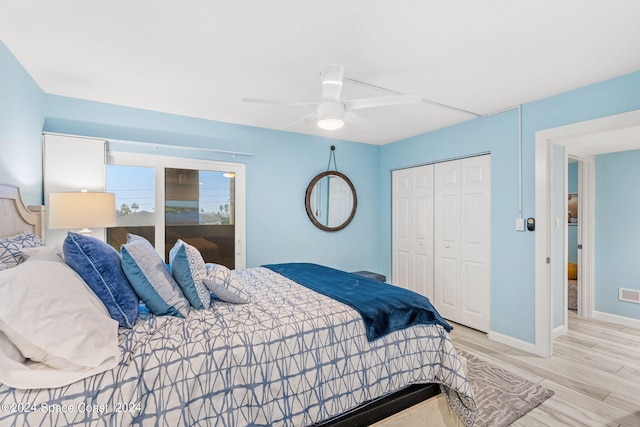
x=583, y=140
x=573, y=236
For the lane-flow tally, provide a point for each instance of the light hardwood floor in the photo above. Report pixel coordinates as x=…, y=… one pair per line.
x=594, y=372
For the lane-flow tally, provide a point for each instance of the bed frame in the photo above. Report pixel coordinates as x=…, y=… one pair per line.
x=416, y=405
x=15, y=217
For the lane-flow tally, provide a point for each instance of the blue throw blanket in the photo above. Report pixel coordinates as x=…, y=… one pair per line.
x=384, y=308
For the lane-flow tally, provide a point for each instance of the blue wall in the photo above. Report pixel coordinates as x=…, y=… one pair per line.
x=282, y=165
x=512, y=293
x=21, y=117
x=512, y=252
x=617, y=230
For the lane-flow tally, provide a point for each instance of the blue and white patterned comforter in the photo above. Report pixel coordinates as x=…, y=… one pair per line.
x=291, y=357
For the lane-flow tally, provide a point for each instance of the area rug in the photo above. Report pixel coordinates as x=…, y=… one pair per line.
x=502, y=397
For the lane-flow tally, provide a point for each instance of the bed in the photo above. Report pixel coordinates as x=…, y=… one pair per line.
x=290, y=356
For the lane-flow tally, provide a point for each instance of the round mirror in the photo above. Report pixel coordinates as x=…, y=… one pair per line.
x=331, y=201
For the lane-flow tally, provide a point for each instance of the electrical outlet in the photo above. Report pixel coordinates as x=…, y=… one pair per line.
x=519, y=224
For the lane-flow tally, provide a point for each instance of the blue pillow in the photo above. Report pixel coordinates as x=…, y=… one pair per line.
x=187, y=267
x=151, y=279
x=100, y=267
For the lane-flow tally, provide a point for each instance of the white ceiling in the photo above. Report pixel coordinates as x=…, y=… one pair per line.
x=611, y=141
x=201, y=57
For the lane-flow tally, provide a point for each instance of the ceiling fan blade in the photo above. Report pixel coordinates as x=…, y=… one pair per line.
x=280, y=102
x=356, y=120
x=382, y=101
x=331, y=77
x=304, y=118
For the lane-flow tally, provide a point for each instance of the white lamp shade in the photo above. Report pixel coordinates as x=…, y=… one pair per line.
x=81, y=210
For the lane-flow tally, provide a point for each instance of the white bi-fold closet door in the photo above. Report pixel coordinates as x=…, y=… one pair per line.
x=412, y=212
x=462, y=234
x=441, y=236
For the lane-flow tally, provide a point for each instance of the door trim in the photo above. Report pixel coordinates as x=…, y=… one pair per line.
x=586, y=226
x=544, y=140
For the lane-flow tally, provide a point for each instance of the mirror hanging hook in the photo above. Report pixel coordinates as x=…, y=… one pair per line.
x=332, y=155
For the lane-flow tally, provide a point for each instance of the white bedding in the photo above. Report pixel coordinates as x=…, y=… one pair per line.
x=289, y=357
x=53, y=329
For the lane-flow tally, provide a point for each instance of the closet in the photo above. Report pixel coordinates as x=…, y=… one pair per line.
x=441, y=216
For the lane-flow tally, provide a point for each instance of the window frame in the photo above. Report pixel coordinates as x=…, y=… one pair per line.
x=159, y=163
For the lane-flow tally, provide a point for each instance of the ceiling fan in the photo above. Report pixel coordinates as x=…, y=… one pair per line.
x=331, y=112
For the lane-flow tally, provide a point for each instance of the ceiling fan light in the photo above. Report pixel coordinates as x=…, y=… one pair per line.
x=332, y=82
x=330, y=115
x=330, y=123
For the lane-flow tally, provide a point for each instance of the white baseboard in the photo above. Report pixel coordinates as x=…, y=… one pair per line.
x=618, y=320
x=560, y=330
x=513, y=342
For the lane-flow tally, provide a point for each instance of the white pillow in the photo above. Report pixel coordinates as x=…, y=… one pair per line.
x=9, y=350
x=21, y=373
x=52, y=317
x=43, y=253
x=225, y=284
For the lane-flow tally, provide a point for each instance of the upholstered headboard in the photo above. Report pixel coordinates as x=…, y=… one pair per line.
x=15, y=217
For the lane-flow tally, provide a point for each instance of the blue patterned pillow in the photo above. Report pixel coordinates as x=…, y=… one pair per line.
x=151, y=279
x=100, y=267
x=187, y=267
x=225, y=284
x=10, y=247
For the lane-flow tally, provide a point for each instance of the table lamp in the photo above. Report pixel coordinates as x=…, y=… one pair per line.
x=82, y=209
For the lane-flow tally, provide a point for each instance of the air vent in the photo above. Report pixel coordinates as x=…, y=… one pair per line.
x=630, y=295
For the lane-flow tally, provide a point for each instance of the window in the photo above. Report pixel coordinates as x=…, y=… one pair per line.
x=199, y=209
x=134, y=187
x=198, y=201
